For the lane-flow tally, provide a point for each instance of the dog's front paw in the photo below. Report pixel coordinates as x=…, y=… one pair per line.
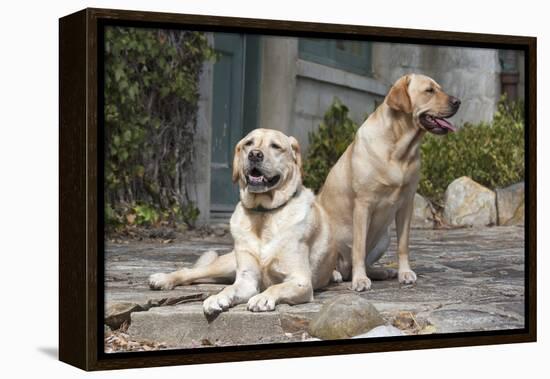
x=161, y=281
x=360, y=284
x=261, y=303
x=407, y=277
x=216, y=304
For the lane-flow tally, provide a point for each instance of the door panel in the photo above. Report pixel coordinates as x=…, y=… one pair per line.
x=227, y=118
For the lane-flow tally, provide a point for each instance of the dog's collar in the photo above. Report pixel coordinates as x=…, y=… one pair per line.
x=260, y=209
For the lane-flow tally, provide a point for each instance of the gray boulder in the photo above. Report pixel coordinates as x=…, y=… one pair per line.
x=468, y=203
x=511, y=204
x=344, y=316
x=422, y=213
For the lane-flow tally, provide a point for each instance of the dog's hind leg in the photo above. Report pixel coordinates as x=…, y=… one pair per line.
x=206, y=258
x=343, y=267
x=209, y=268
x=379, y=273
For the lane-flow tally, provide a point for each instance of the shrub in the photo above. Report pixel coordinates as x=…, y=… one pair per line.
x=327, y=144
x=492, y=154
x=151, y=97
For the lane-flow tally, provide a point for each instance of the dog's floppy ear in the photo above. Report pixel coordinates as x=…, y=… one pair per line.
x=296, y=153
x=398, y=97
x=237, y=162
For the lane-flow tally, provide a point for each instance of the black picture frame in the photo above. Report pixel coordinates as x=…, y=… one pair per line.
x=81, y=189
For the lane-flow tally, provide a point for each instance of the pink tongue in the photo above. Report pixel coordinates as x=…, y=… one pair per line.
x=445, y=124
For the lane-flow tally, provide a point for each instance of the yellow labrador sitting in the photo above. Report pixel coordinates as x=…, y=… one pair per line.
x=282, y=236
x=374, y=181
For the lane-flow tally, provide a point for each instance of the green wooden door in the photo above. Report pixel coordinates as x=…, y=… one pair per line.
x=234, y=112
x=227, y=118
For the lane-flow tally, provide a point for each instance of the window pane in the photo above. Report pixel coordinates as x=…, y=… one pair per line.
x=353, y=56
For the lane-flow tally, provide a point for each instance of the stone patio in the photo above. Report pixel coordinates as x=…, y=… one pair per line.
x=469, y=279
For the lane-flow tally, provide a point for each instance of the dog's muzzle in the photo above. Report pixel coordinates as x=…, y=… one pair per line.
x=258, y=181
x=438, y=124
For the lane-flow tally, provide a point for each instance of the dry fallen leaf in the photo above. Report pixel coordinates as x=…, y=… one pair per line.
x=428, y=329
x=119, y=341
x=131, y=218
x=404, y=320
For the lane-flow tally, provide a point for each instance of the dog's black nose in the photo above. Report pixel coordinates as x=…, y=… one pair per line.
x=454, y=101
x=255, y=156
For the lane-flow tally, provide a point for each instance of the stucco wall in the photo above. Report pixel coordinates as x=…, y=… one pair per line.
x=316, y=88
x=295, y=93
x=278, y=82
x=198, y=182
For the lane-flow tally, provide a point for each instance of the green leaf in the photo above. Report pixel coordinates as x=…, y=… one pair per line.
x=151, y=83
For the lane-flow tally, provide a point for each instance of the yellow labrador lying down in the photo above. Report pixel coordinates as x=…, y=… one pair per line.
x=287, y=242
x=282, y=236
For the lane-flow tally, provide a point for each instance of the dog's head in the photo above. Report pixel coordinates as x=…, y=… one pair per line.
x=268, y=167
x=424, y=99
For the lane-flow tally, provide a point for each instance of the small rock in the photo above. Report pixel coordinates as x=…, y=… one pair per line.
x=422, y=213
x=162, y=233
x=381, y=331
x=343, y=317
x=117, y=313
x=220, y=230
x=182, y=228
x=511, y=204
x=468, y=203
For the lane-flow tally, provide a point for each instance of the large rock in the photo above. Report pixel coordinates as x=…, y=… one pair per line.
x=511, y=204
x=422, y=214
x=468, y=203
x=345, y=316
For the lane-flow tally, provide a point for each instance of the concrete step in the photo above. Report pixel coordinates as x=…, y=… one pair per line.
x=186, y=325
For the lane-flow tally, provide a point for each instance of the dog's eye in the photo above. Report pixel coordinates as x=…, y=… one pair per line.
x=249, y=142
x=275, y=146
x=430, y=90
